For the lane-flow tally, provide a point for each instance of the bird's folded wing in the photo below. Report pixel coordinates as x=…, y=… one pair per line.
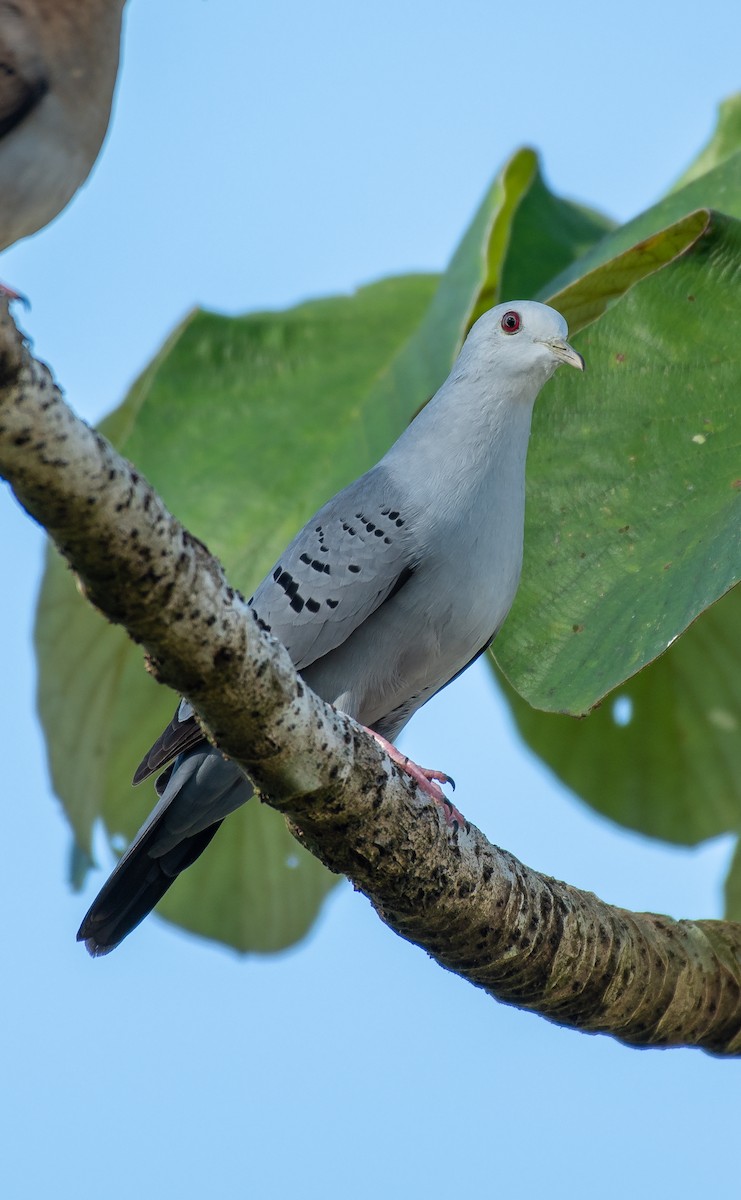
x=181, y=734
x=353, y=556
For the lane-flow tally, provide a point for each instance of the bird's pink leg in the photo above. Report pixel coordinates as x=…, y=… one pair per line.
x=10, y=295
x=428, y=780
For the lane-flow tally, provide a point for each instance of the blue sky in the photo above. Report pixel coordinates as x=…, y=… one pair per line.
x=260, y=155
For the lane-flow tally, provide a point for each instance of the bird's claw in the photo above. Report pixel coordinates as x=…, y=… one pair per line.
x=11, y=295
x=438, y=775
x=453, y=816
x=427, y=779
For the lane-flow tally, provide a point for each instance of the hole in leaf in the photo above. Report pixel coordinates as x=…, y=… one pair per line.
x=622, y=711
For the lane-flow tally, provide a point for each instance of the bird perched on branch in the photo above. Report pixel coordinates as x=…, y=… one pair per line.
x=58, y=65
x=388, y=593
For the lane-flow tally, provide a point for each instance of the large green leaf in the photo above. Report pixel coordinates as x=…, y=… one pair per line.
x=633, y=518
x=718, y=188
x=587, y=298
x=547, y=234
x=725, y=141
x=662, y=754
x=633, y=530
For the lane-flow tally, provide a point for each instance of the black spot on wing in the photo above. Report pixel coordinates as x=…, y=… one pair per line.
x=285, y=580
x=315, y=564
x=292, y=588
x=377, y=528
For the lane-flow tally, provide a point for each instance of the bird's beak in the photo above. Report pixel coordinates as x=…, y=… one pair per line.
x=565, y=353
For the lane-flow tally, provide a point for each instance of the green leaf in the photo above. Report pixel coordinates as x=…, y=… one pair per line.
x=547, y=234
x=633, y=512
x=670, y=770
x=585, y=300
x=725, y=141
x=719, y=189
x=663, y=753
x=632, y=532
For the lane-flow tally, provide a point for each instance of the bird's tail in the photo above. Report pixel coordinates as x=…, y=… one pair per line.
x=138, y=883
x=196, y=793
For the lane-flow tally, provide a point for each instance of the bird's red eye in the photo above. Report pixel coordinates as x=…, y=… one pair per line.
x=511, y=321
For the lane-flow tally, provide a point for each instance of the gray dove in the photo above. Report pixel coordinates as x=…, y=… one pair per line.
x=387, y=594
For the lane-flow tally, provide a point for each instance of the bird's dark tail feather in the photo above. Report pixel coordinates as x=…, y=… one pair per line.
x=136, y=885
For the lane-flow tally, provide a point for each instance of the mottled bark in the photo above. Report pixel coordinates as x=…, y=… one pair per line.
x=527, y=939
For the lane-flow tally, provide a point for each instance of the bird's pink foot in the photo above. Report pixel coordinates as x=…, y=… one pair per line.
x=10, y=295
x=427, y=780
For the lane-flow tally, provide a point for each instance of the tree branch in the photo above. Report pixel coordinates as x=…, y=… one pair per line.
x=527, y=939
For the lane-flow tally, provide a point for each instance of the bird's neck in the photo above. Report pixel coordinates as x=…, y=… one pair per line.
x=471, y=437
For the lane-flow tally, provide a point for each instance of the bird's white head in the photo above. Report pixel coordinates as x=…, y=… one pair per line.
x=521, y=340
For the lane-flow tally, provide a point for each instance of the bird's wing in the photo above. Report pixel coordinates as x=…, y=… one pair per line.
x=350, y=558
x=23, y=78
x=354, y=555
x=181, y=734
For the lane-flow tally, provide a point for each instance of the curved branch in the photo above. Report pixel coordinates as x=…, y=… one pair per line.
x=527, y=939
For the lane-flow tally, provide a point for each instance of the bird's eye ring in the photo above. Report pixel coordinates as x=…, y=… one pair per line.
x=511, y=321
